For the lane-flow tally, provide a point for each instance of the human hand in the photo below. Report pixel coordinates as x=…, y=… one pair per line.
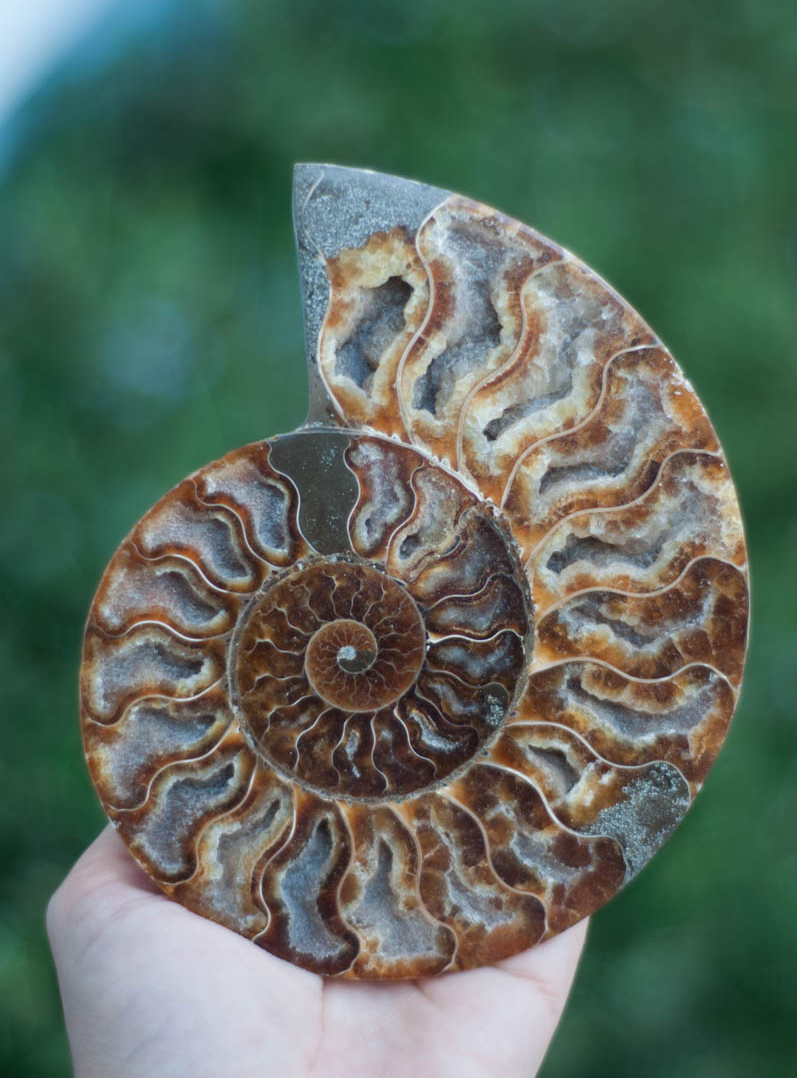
x=151, y=990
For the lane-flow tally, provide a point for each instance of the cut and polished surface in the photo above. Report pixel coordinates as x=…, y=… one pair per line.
x=431, y=678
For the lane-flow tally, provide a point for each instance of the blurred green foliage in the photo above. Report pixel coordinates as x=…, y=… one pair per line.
x=149, y=322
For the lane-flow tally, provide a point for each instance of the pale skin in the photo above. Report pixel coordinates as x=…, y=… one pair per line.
x=151, y=990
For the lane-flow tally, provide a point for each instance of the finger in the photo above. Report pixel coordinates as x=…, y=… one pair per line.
x=505, y=1015
x=550, y=968
x=106, y=862
x=104, y=877
x=108, y=857
x=542, y=978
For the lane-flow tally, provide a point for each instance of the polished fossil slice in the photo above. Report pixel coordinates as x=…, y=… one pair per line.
x=429, y=679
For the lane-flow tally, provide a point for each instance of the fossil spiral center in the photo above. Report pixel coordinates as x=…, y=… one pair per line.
x=354, y=661
x=344, y=643
x=322, y=654
x=347, y=667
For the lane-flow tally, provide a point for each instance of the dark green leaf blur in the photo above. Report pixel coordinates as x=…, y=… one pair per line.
x=149, y=322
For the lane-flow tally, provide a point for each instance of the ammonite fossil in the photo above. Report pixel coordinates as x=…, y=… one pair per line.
x=431, y=678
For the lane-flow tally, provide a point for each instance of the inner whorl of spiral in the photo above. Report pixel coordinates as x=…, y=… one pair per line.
x=365, y=652
x=342, y=647
x=364, y=679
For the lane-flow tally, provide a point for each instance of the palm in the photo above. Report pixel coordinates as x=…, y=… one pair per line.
x=151, y=989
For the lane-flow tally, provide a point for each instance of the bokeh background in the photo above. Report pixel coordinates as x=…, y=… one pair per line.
x=149, y=322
